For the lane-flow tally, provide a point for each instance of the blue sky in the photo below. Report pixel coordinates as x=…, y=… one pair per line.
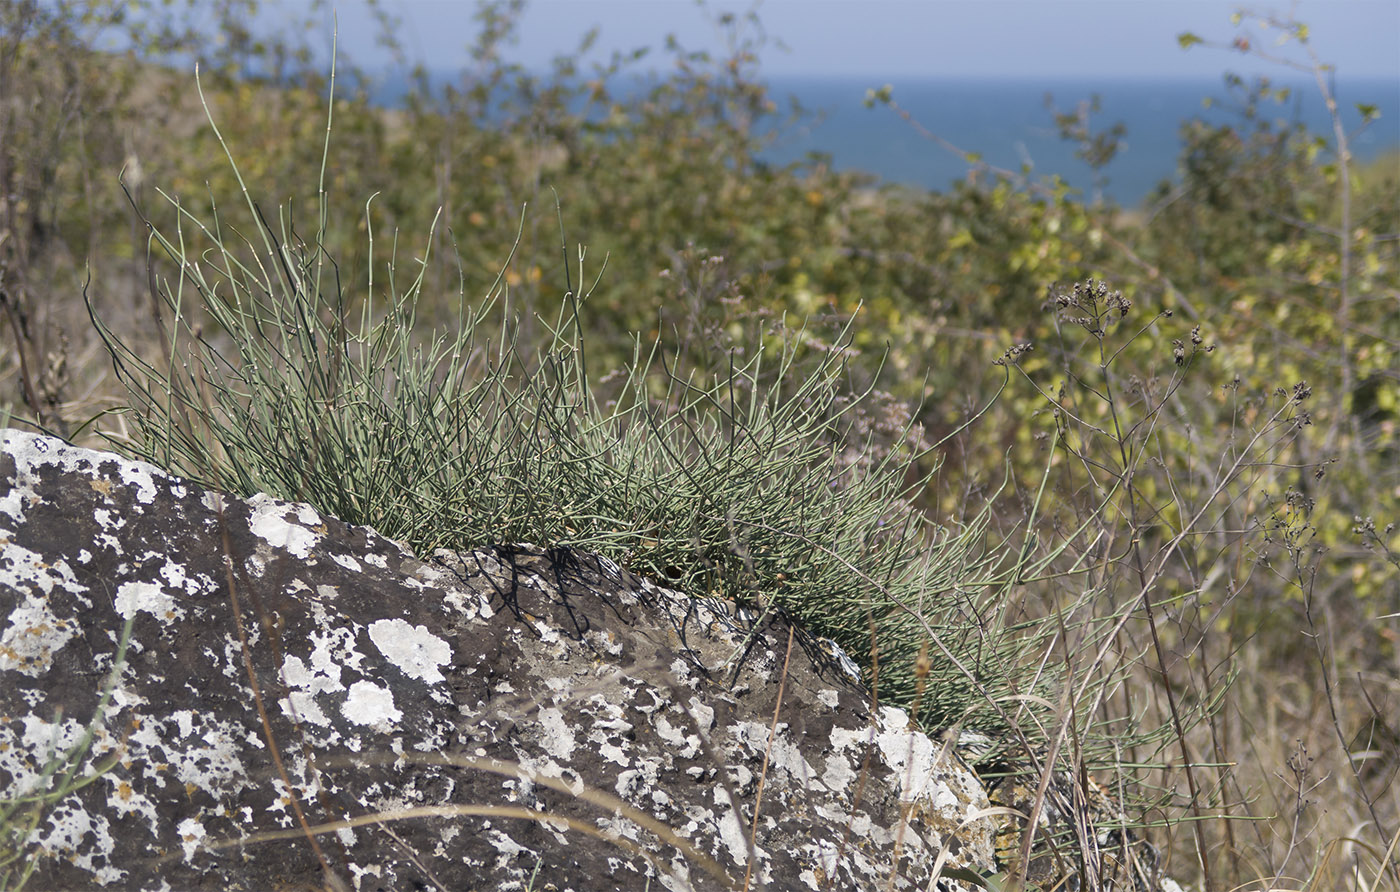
x=892, y=39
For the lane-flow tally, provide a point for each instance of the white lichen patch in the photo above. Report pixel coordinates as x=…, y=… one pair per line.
x=192, y=836
x=703, y=715
x=913, y=759
x=610, y=730
x=614, y=753
x=332, y=649
x=280, y=806
x=123, y=698
x=825, y=855
x=23, y=754
x=733, y=834
x=196, y=749
x=108, y=521
x=84, y=838
x=146, y=597
x=683, y=743
x=301, y=706
x=557, y=735
x=369, y=704
x=176, y=577
x=909, y=752
x=123, y=801
x=269, y=522
x=661, y=802
x=256, y=565
x=26, y=570
x=348, y=562
x=778, y=747
x=32, y=452
x=604, y=642
x=532, y=767
x=413, y=649
x=616, y=826
x=510, y=850
x=548, y=634
x=471, y=604
x=296, y=674
x=143, y=477
x=358, y=874
x=840, y=773
x=33, y=635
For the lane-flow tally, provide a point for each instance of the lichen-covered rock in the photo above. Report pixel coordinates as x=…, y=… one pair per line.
x=304, y=704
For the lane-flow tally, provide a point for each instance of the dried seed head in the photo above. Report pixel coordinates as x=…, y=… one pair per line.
x=1013, y=353
x=1098, y=305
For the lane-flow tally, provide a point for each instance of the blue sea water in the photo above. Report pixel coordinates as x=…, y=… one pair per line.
x=1009, y=125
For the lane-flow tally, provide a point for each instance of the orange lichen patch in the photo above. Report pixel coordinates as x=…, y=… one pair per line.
x=102, y=486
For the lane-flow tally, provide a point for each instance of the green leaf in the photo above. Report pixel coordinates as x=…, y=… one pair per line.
x=1186, y=40
x=994, y=882
x=1368, y=111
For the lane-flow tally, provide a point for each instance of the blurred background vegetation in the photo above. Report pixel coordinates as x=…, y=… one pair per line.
x=1265, y=279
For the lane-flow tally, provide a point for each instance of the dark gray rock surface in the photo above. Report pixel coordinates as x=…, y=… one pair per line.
x=499, y=719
